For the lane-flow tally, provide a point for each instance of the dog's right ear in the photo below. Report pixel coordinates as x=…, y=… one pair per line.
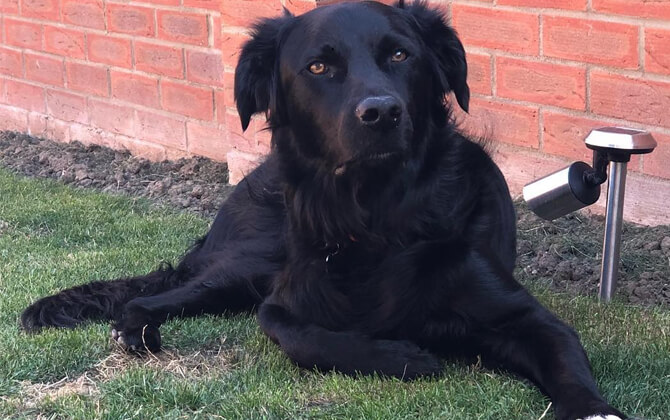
x=256, y=75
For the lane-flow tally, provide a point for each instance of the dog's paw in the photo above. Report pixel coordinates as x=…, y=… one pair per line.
x=408, y=361
x=602, y=417
x=141, y=340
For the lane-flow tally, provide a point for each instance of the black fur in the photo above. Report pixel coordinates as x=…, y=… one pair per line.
x=375, y=237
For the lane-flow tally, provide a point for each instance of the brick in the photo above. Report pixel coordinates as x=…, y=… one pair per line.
x=183, y=27
x=243, y=141
x=187, y=100
x=499, y=29
x=479, y=73
x=607, y=43
x=204, y=67
x=205, y=4
x=658, y=162
x=10, y=62
x=241, y=164
x=638, y=100
x=9, y=7
x=2, y=91
x=159, y=59
x=43, y=9
x=231, y=44
x=219, y=105
x=168, y=131
x=108, y=50
x=87, y=13
x=544, y=83
x=66, y=106
x=659, y=9
x=58, y=130
x=500, y=121
x=23, y=34
x=13, y=119
x=88, y=134
x=45, y=69
x=564, y=135
x=245, y=12
x=207, y=140
x=87, y=78
x=165, y=2
x=657, y=50
x=298, y=7
x=24, y=95
x=65, y=42
x=135, y=88
x=37, y=124
x=122, y=18
x=551, y=4
x=110, y=117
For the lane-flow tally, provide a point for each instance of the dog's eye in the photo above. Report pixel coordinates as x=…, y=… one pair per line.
x=318, y=67
x=399, y=55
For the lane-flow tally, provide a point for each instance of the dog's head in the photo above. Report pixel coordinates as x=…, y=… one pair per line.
x=354, y=84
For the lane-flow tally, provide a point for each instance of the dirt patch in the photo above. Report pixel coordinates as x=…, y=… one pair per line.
x=564, y=254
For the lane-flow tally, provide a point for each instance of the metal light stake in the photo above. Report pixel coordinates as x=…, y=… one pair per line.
x=578, y=186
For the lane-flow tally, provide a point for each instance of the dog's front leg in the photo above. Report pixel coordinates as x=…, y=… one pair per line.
x=311, y=346
x=515, y=331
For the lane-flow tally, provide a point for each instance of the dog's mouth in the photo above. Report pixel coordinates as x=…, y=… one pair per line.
x=373, y=159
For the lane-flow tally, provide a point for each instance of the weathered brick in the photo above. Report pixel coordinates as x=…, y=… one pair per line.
x=204, y=67
x=207, y=140
x=12, y=118
x=188, y=28
x=608, y=43
x=66, y=106
x=10, y=62
x=87, y=13
x=544, y=83
x=159, y=59
x=135, y=88
x=241, y=164
x=44, y=68
x=657, y=50
x=133, y=20
x=147, y=150
x=192, y=101
x=231, y=43
x=658, y=162
x=87, y=78
x=23, y=34
x=9, y=7
x=553, y=4
x=108, y=50
x=564, y=135
x=632, y=99
x=66, y=42
x=37, y=124
x=245, y=12
x=656, y=9
x=298, y=7
x=479, y=73
x=26, y=96
x=168, y=131
x=206, y=4
x=494, y=28
x=43, y=9
x=111, y=117
x=501, y=121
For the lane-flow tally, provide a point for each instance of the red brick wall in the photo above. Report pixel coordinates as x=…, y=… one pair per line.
x=155, y=77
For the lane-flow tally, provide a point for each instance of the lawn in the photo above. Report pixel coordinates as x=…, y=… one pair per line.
x=53, y=236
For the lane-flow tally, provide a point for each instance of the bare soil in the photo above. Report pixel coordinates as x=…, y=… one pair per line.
x=563, y=255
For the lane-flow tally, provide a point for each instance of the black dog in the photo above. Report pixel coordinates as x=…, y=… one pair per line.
x=375, y=237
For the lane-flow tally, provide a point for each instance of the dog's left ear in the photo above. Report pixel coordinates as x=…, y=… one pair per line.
x=256, y=84
x=448, y=55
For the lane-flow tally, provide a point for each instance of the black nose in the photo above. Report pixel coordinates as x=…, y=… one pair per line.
x=379, y=112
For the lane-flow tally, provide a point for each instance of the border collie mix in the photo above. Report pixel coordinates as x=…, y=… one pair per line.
x=375, y=237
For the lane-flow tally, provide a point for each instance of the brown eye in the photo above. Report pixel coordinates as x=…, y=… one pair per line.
x=399, y=55
x=318, y=67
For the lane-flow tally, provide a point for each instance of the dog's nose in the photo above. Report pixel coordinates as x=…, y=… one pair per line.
x=379, y=112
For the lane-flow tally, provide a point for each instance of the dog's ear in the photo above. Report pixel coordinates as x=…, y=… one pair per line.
x=449, y=65
x=256, y=75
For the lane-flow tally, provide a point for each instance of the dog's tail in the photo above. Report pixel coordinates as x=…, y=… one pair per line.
x=99, y=300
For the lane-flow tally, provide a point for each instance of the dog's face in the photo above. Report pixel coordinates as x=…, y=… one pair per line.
x=355, y=84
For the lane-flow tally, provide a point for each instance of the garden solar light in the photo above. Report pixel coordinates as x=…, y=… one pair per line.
x=578, y=186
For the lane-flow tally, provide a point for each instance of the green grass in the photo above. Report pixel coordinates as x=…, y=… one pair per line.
x=54, y=237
